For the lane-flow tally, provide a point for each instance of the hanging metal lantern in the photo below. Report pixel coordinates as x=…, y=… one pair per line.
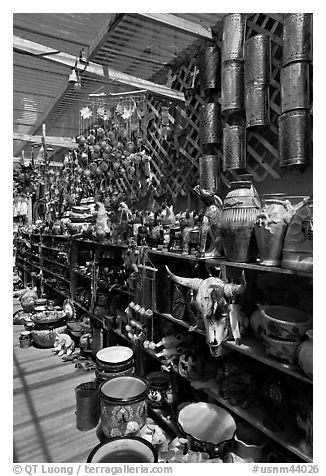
x=210, y=68
x=297, y=37
x=234, y=148
x=295, y=86
x=234, y=26
x=257, y=105
x=232, y=87
x=257, y=67
x=210, y=123
x=208, y=172
x=294, y=138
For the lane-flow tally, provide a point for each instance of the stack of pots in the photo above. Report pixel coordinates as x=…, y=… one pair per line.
x=114, y=361
x=232, y=91
x=295, y=120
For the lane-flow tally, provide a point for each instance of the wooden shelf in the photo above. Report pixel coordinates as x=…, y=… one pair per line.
x=180, y=323
x=101, y=243
x=254, y=348
x=81, y=273
x=56, y=289
x=166, y=424
x=56, y=262
x=50, y=248
x=56, y=275
x=217, y=261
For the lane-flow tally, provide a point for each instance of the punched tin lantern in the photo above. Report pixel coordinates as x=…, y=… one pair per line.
x=295, y=86
x=297, y=37
x=208, y=172
x=257, y=66
x=234, y=26
x=294, y=138
x=210, y=68
x=234, y=148
x=257, y=105
x=210, y=123
x=232, y=99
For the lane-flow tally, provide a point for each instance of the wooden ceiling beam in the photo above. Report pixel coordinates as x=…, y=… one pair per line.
x=105, y=73
x=178, y=23
x=50, y=140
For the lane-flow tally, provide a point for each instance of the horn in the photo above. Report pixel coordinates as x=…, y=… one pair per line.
x=192, y=283
x=231, y=289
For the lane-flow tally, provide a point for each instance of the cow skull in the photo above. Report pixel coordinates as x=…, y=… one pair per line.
x=213, y=300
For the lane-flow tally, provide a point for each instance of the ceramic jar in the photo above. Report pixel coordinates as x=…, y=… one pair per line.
x=270, y=228
x=25, y=339
x=249, y=443
x=159, y=383
x=240, y=210
x=305, y=355
x=126, y=449
x=123, y=400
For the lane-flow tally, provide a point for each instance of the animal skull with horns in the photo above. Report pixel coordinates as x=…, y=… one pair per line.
x=214, y=300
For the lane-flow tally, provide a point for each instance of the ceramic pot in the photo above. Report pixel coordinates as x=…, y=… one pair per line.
x=127, y=449
x=114, y=359
x=87, y=408
x=207, y=427
x=284, y=322
x=122, y=400
x=249, y=443
x=158, y=386
x=270, y=228
x=25, y=339
x=101, y=376
x=298, y=242
x=305, y=355
x=281, y=349
x=240, y=211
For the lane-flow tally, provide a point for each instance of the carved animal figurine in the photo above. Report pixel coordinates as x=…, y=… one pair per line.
x=63, y=344
x=211, y=224
x=159, y=441
x=211, y=300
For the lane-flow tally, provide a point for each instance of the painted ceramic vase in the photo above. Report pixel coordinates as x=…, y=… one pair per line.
x=298, y=242
x=270, y=228
x=305, y=355
x=283, y=322
x=123, y=400
x=240, y=210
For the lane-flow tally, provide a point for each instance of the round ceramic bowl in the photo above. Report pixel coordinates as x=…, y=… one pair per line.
x=288, y=323
x=116, y=358
x=281, y=349
x=207, y=426
x=123, y=449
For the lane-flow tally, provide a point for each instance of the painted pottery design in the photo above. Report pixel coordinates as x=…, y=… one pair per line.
x=297, y=37
x=281, y=349
x=270, y=228
x=305, y=355
x=122, y=399
x=282, y=322
x=158, y=387
x=45, y=337
x=240, y=210
x=25, y=339
x=298, y=242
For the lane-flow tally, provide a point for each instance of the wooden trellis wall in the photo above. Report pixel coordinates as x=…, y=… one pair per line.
x=176, y=162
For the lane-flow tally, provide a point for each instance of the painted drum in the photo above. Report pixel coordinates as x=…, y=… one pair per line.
x=114, y=359
x=295, y=86
x=234, y=26
x=123, y=400
x=297, y=37
x=125, y=449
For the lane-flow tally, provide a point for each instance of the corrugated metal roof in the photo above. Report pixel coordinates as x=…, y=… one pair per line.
x=134, y=45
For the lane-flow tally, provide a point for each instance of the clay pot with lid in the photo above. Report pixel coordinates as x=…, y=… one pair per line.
x=270, y=228
x=240, y=210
